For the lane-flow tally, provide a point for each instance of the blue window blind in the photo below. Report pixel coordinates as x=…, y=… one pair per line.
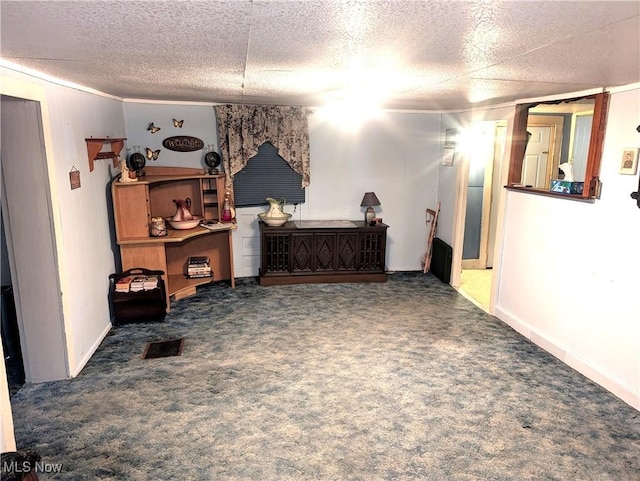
x=267, y=175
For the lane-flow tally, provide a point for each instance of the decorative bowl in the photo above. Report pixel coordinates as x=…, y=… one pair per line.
x=274, y=221
x=184, y=224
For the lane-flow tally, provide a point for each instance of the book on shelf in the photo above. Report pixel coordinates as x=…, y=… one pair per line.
x=198, y=261
x=200, y=273
x=198, y=270
x=199, y=276
x=198, y=266
x=136, y=283
x=123, y=284
x=151, y=282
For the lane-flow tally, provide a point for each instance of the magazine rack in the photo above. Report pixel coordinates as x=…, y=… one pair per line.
x=141, y=306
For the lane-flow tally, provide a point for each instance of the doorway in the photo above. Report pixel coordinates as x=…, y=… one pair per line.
x=9, y=330
x=481, y=213
x=26, y=210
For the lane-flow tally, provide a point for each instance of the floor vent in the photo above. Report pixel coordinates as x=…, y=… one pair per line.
x=169, y=348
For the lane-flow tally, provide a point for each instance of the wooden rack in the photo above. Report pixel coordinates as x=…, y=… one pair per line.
x=95, y=146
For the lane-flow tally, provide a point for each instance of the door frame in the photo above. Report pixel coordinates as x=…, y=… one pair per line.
x=497, y=205
x=487, y=193
x=21, y=90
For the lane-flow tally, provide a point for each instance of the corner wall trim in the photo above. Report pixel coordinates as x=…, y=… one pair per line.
x=94, y=347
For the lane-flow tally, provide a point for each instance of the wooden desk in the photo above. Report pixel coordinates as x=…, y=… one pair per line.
x=136, y=203
x=322, y=251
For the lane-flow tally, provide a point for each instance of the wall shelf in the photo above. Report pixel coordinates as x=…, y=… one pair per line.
x=94, y=148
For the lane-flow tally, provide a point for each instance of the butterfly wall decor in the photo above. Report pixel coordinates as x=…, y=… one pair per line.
x=152, y=128
x=177, y=123
x=152, y=154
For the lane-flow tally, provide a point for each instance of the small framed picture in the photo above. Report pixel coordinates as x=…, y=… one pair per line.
x=629, y=161
x=447, y=156
x=450, y=138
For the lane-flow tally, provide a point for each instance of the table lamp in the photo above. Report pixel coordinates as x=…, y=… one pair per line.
x=368, y=201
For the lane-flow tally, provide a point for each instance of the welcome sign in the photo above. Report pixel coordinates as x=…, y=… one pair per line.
x=183, y=143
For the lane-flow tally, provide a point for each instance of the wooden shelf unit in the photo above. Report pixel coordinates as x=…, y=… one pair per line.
x=135, y=203
x=212, y=198
x=95, y=146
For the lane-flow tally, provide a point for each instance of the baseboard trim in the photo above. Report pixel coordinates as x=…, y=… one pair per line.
x=619, y=389
x=513, y=322
x=626, y=393
x=91, y=351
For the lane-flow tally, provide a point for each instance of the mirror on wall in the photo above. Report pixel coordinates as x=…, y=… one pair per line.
x=558, y=140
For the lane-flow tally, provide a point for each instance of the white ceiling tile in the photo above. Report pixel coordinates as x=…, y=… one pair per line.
x=423, y=54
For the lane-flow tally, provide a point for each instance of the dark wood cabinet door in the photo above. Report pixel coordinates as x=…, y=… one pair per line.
x=302, y=252
x=372, y=251
x=347, y=252
x=276, y=253
x=325, y=252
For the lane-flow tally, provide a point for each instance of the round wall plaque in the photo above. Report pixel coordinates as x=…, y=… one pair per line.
x=183, y=143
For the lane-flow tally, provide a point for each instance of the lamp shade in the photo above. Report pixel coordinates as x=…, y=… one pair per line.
x=369, y=200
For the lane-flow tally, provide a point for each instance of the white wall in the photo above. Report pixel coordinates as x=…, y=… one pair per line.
x=86, y=225
x=451, y=180
x=82, y=224
x=199, y=121
x=569, y=270
x=396, y=156
x=393, y=155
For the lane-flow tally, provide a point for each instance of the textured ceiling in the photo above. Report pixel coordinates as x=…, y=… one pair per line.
x=427, y=55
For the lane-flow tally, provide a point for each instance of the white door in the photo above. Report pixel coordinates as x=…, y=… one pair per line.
x=534, y=167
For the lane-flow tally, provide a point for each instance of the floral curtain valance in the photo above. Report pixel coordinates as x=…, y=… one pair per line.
x=242, y=129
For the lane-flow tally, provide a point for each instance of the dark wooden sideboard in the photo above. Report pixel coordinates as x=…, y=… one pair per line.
x=322, y=251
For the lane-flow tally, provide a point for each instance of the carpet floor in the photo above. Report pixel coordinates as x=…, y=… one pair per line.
x=403, y=380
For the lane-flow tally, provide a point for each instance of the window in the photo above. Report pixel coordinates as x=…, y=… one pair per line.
x=267, y=175
x=584, y=151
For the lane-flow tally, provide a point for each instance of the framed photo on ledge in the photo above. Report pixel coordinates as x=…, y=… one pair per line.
x=629, y=161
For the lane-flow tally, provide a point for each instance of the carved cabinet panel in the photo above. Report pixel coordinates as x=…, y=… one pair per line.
x=302, y=252
x=347, y=252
